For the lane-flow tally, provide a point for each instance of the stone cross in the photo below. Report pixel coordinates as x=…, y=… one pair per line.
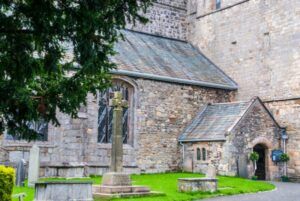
x=118, y=104
x=34, y=165
x=20, y=176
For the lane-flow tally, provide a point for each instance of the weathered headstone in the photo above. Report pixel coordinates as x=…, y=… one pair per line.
x=243, y=166
x=211, y=172
x=63, y=191
x=20, y=176
x=207, y=184
x=187, y=163
x=34, y=165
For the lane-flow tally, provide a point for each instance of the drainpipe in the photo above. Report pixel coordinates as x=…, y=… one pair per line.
x=284, y=137
x=182, y=153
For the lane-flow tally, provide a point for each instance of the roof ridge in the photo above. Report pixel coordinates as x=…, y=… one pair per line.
x=228, y=103
x=156, y=35
x=240, y=116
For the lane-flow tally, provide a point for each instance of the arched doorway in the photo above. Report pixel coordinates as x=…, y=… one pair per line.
x=260, y=171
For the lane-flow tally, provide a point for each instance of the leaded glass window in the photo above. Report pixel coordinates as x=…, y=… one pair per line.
x=203, y=154
x=41, y=127
x=198, y=154
x=105, y=115
x=218, y=4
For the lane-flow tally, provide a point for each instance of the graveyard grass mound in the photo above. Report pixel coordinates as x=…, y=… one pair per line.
x=167, y=183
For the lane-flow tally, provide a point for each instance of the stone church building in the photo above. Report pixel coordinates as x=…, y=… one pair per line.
x=192, y=77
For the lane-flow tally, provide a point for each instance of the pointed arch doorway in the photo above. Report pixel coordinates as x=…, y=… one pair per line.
x=260, y=171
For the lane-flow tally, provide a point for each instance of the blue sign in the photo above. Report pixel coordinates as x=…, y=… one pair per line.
x=276, y=155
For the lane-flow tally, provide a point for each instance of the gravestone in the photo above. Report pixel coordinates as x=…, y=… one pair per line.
x=63, y=191
x=188, y=163
x=243, y=166
x=207, y=184
x=20, y=176
x=34, y=165
x=211, y=172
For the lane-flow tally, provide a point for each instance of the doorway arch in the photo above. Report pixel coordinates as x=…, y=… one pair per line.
x=261, y=169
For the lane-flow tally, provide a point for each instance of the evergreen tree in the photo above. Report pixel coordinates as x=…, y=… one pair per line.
x=42, y=42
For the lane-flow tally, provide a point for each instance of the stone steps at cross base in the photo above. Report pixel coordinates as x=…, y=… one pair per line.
x=120, y=189
x=123, y=191
x=133, y=194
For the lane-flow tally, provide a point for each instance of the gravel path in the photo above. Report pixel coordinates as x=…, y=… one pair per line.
x=283, y=192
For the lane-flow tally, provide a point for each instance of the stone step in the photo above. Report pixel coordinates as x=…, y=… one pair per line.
x=120, y=189
x=294, y=179
x=133, y=194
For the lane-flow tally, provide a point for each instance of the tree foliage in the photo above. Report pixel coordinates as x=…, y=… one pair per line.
x=42, y=42
x=284, y=157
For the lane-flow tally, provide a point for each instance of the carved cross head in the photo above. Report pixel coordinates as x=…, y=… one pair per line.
x=117, y=101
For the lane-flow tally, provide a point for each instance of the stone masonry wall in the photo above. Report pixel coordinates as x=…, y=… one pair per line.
x=72, y=149
x=256, y=127
x=257, y=44
x=163, y=112
x=167, y=18
x=160, y=112
x=205, y=7
x=174, y=3
x=288, y=114
x=214, y=154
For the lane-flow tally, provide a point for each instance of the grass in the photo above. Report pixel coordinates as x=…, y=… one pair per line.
x=167, y=183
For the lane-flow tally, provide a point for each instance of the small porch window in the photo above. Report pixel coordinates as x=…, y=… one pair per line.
x=203, y=154
x=218, y=4
x=198, y=154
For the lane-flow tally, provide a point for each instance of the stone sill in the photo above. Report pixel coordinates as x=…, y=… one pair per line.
x=26, y=144
x=202, y=163
x=108, y=146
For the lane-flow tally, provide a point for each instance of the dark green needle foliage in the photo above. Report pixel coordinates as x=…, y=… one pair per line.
x=42, y=42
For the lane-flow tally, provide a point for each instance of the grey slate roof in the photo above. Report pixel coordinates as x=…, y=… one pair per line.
x=214, y=121
x=153, y=57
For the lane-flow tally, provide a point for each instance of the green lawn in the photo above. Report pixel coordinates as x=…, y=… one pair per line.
x=167, y=183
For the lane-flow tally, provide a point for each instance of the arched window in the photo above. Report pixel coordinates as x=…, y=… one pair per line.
x=198, y=154
x=105, y=115
x=218, y=4
x=203, y=154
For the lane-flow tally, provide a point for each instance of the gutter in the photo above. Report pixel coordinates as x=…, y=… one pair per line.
x=203, y=140
x=172, y=79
